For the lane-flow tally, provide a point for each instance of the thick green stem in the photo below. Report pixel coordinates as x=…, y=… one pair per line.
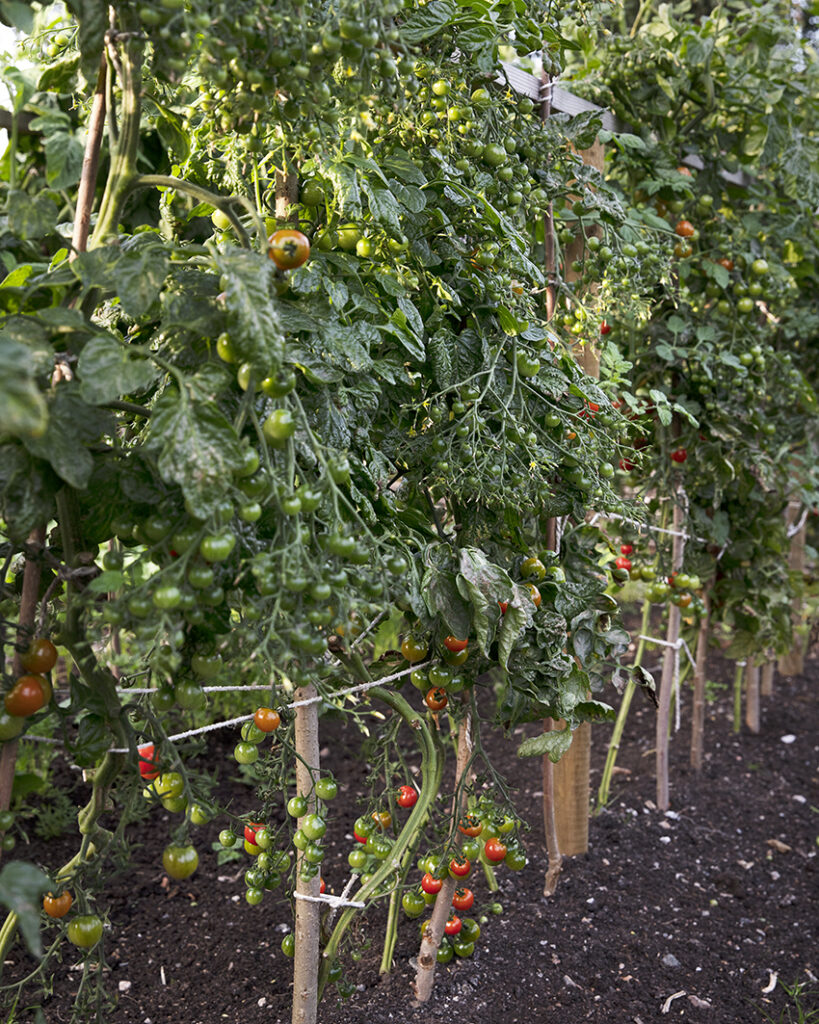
x=491, y=877
x=432, y=761
x=622, y=715
x=124, y=159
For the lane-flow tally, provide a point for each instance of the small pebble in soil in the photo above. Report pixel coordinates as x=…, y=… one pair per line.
x=670, y=960
x=790, y=738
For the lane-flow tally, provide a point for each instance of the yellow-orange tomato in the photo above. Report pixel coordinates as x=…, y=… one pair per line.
x=289, y=248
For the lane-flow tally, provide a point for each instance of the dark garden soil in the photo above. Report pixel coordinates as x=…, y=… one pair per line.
x=690, y=915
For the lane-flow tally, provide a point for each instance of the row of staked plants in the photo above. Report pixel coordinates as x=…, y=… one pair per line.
x=296, y=415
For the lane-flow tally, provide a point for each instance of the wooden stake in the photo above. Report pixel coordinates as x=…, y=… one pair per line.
x=767, y=679
x=752, y=696
x=434, y=930
x=793, y=663
x=572, y=793
x=308, y=913
x=670, y=663
x=698, y=709
x=549, y=821
x=90, y=164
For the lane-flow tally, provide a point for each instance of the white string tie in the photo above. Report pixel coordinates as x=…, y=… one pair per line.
x=794, y=528
x=334, y=901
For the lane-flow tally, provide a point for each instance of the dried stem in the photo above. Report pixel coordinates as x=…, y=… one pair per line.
x=90, y=165
x=549, y=821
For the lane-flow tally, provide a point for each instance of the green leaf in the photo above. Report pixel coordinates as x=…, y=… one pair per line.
x=480, y=582
x=198, y=447
x=439, y=351
x=93, y=739
x=64, y=156
x=347, y=346
x=383, y=205
x=401, y=164
x=442, y=597
x=595, y=711
x=108, y=370
x=388, y=635
x=92, y=16
x=427, y=21
x=18, y=15
x=31, y=216
x=554, y=743
x=60, y=77
x=518, y=616
x=139, y=274
x=21, y=887
x=247, y=283
x=72, y=425
x=22, y=406
x=27, y=488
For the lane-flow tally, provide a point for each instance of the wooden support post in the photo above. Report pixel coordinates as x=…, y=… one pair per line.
x=671, y=662
x=698, y=709
x=767, y=679
x=572, y=793
x=752, y=696
x=308, y=913
x=793, y=663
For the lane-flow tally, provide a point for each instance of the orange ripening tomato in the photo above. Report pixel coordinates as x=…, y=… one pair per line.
x=289, y=248
x=57, y=906
x=685, y=229
x=267, y=719
x=148, y=767
x=452, y=643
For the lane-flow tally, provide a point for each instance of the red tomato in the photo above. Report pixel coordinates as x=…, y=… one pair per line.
x=148, y=766
x=495, y=850
x=460, y=866
x=503, y=605
x=463, y=899
x=358, y=838
x=289, y=249
x=430, y=884
x=679, y=455
x=40, y=657
x=322, y=886
x=453, y=925
x=25, y=698
x=605, y=328
x=726, y=262
x=626, y=549
x=626, y=466
x=452, y=643
x=251, y=829
x=622, y=562
x=407, y=797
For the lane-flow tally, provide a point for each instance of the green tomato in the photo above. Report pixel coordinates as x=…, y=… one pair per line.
x=218, y=546
x=297, y=806
x=85, y=930
x=413, y=903
x=246, y=753
x=314, y=826
x=326, y=788
x=180, y=861
x=227, y=838
x=10, y=726
x=278, y=427
x=289, y=944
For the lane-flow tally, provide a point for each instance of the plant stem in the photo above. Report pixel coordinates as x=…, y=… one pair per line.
x=434, y=930
x=123, y=161
x=622, y=715
x=432, y=767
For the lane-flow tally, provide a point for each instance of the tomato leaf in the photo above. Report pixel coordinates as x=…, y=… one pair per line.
x=108, y=369
x=480, y=582
x=27, y=488
x=427, y=21
x=247, y=283
x=554, y=744
x=442, y=597
x=72, y=425
x=198, y=447
x=21, y=886
x=22, y=406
